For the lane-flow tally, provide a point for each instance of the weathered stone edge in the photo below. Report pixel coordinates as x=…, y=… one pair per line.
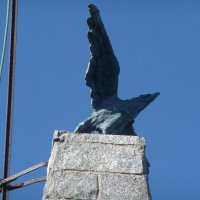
x=97, y=172
x=64, y=136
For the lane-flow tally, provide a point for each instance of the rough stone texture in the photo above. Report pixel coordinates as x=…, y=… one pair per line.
x=93, y=166
x=123, y=186
x=71, y=185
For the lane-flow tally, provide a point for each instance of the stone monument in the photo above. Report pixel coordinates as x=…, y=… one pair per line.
x=102, y=159
x=97, y=167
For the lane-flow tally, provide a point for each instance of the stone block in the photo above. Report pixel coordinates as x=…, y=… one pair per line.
x=71, y=185
x=123, y=187
x=99, y=167
x=122, y=154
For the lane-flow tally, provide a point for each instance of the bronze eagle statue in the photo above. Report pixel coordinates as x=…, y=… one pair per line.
x=111, y=115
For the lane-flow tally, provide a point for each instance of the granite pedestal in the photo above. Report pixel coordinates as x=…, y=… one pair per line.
x=97, y=167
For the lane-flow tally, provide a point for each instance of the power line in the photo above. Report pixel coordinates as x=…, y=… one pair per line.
x=10, y=98
x=5, y=187
x=5, y=38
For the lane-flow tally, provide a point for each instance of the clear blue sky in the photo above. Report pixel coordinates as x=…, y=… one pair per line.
x=158, y=46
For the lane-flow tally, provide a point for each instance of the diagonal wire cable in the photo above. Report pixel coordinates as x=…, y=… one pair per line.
x=5, y=37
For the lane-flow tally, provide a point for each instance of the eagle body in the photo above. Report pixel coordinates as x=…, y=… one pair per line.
x=111, y=115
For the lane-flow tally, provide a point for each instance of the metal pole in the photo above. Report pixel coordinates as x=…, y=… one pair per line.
x=10, y=98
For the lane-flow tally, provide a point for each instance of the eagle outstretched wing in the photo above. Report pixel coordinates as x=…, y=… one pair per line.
x=103, y=68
